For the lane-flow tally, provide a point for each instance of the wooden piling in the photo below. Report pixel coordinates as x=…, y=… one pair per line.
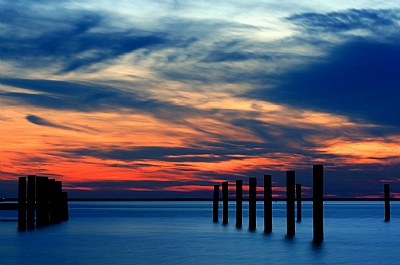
x=290, y=196
x=52, y=201
x=239, y=203
x=387, y=202
x=215, y=203
x=252, y=204
x=224, y=202
x=42, y=202
x=267, y=204
x=58, y=201
x=318, y=203
x=21, y=203
x=31, y=198
x=298, y=201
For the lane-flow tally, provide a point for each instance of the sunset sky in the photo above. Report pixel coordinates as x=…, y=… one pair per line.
x=165, y=98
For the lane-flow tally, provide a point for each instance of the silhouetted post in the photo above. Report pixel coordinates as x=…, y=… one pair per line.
x=52, y=200
x=387, y=202
x=290, y=186
x=267, y=204
x=252, y=204
x=239, y=203
x=318, y=203
x=298, y=197
x=42, y=202
x=65, y=216
x=224, y=203
x=31, y=201
x=22, y=203
x=58, y=201
x=215, y=203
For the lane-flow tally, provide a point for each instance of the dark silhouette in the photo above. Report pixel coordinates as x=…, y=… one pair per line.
x=31, y=195
x=290, y=186
x=239, y=203
x=42, y=201
x=21, y=203
x=215, y=203
x=387, y=202
x=298, y=197
x=224, y=202
x=318, y=203
x=267, y=204
x=252, y=204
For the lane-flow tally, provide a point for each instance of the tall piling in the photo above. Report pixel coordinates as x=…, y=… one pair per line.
x=21, y=203
x=239, y=203
x=42, y=201
x=224, y=202
x=290, y=190
x=31, y=198
x=386, y=190
x=298, y=201
x=267, y=204
x=318, y=203
x=252, y=204
x=215, y=203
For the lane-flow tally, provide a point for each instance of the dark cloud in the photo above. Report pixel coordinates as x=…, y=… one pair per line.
x=353, y=19
x=69, y=42
x=87, y=97
x=43, y=122
x=358, y=78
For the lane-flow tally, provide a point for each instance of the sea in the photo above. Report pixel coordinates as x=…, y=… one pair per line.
x=182, y=232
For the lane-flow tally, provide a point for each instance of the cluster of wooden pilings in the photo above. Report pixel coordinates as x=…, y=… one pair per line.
x=41, y=197
x=293, y=193
x=291, y=190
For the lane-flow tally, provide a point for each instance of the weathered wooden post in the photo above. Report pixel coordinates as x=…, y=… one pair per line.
x=31, y=198
x=58, y=201
x=290, y=186
x=252, y=204
x=318, y=203
x=21, y=203
x=239, y=203
x=298, y=197
x=52, y=200
x=215, y=203
x=267, y=204
x=224, y=202
x=42, y=202
x=387, y=202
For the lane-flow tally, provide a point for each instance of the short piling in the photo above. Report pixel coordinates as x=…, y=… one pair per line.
x=239, y=203
x=252, y=204
x=21, y=203
x=224, y=202
x=290, y=196
x=318, y=204
x=267, y=204
x=298, y=201
x=215, y=203
x=387, y=202
x=31, y=198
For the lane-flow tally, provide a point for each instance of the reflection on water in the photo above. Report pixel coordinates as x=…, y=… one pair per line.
x=183, y=233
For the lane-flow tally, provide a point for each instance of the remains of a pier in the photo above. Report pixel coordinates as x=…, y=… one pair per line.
x=43, y=196
x=292, y=190
x=386, y=190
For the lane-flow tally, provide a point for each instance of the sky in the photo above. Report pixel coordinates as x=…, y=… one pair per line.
x=163, y=99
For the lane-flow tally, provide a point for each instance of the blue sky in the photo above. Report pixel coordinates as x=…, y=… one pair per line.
x=164, y=98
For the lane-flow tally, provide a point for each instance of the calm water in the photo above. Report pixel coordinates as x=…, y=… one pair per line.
x=183, y=233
